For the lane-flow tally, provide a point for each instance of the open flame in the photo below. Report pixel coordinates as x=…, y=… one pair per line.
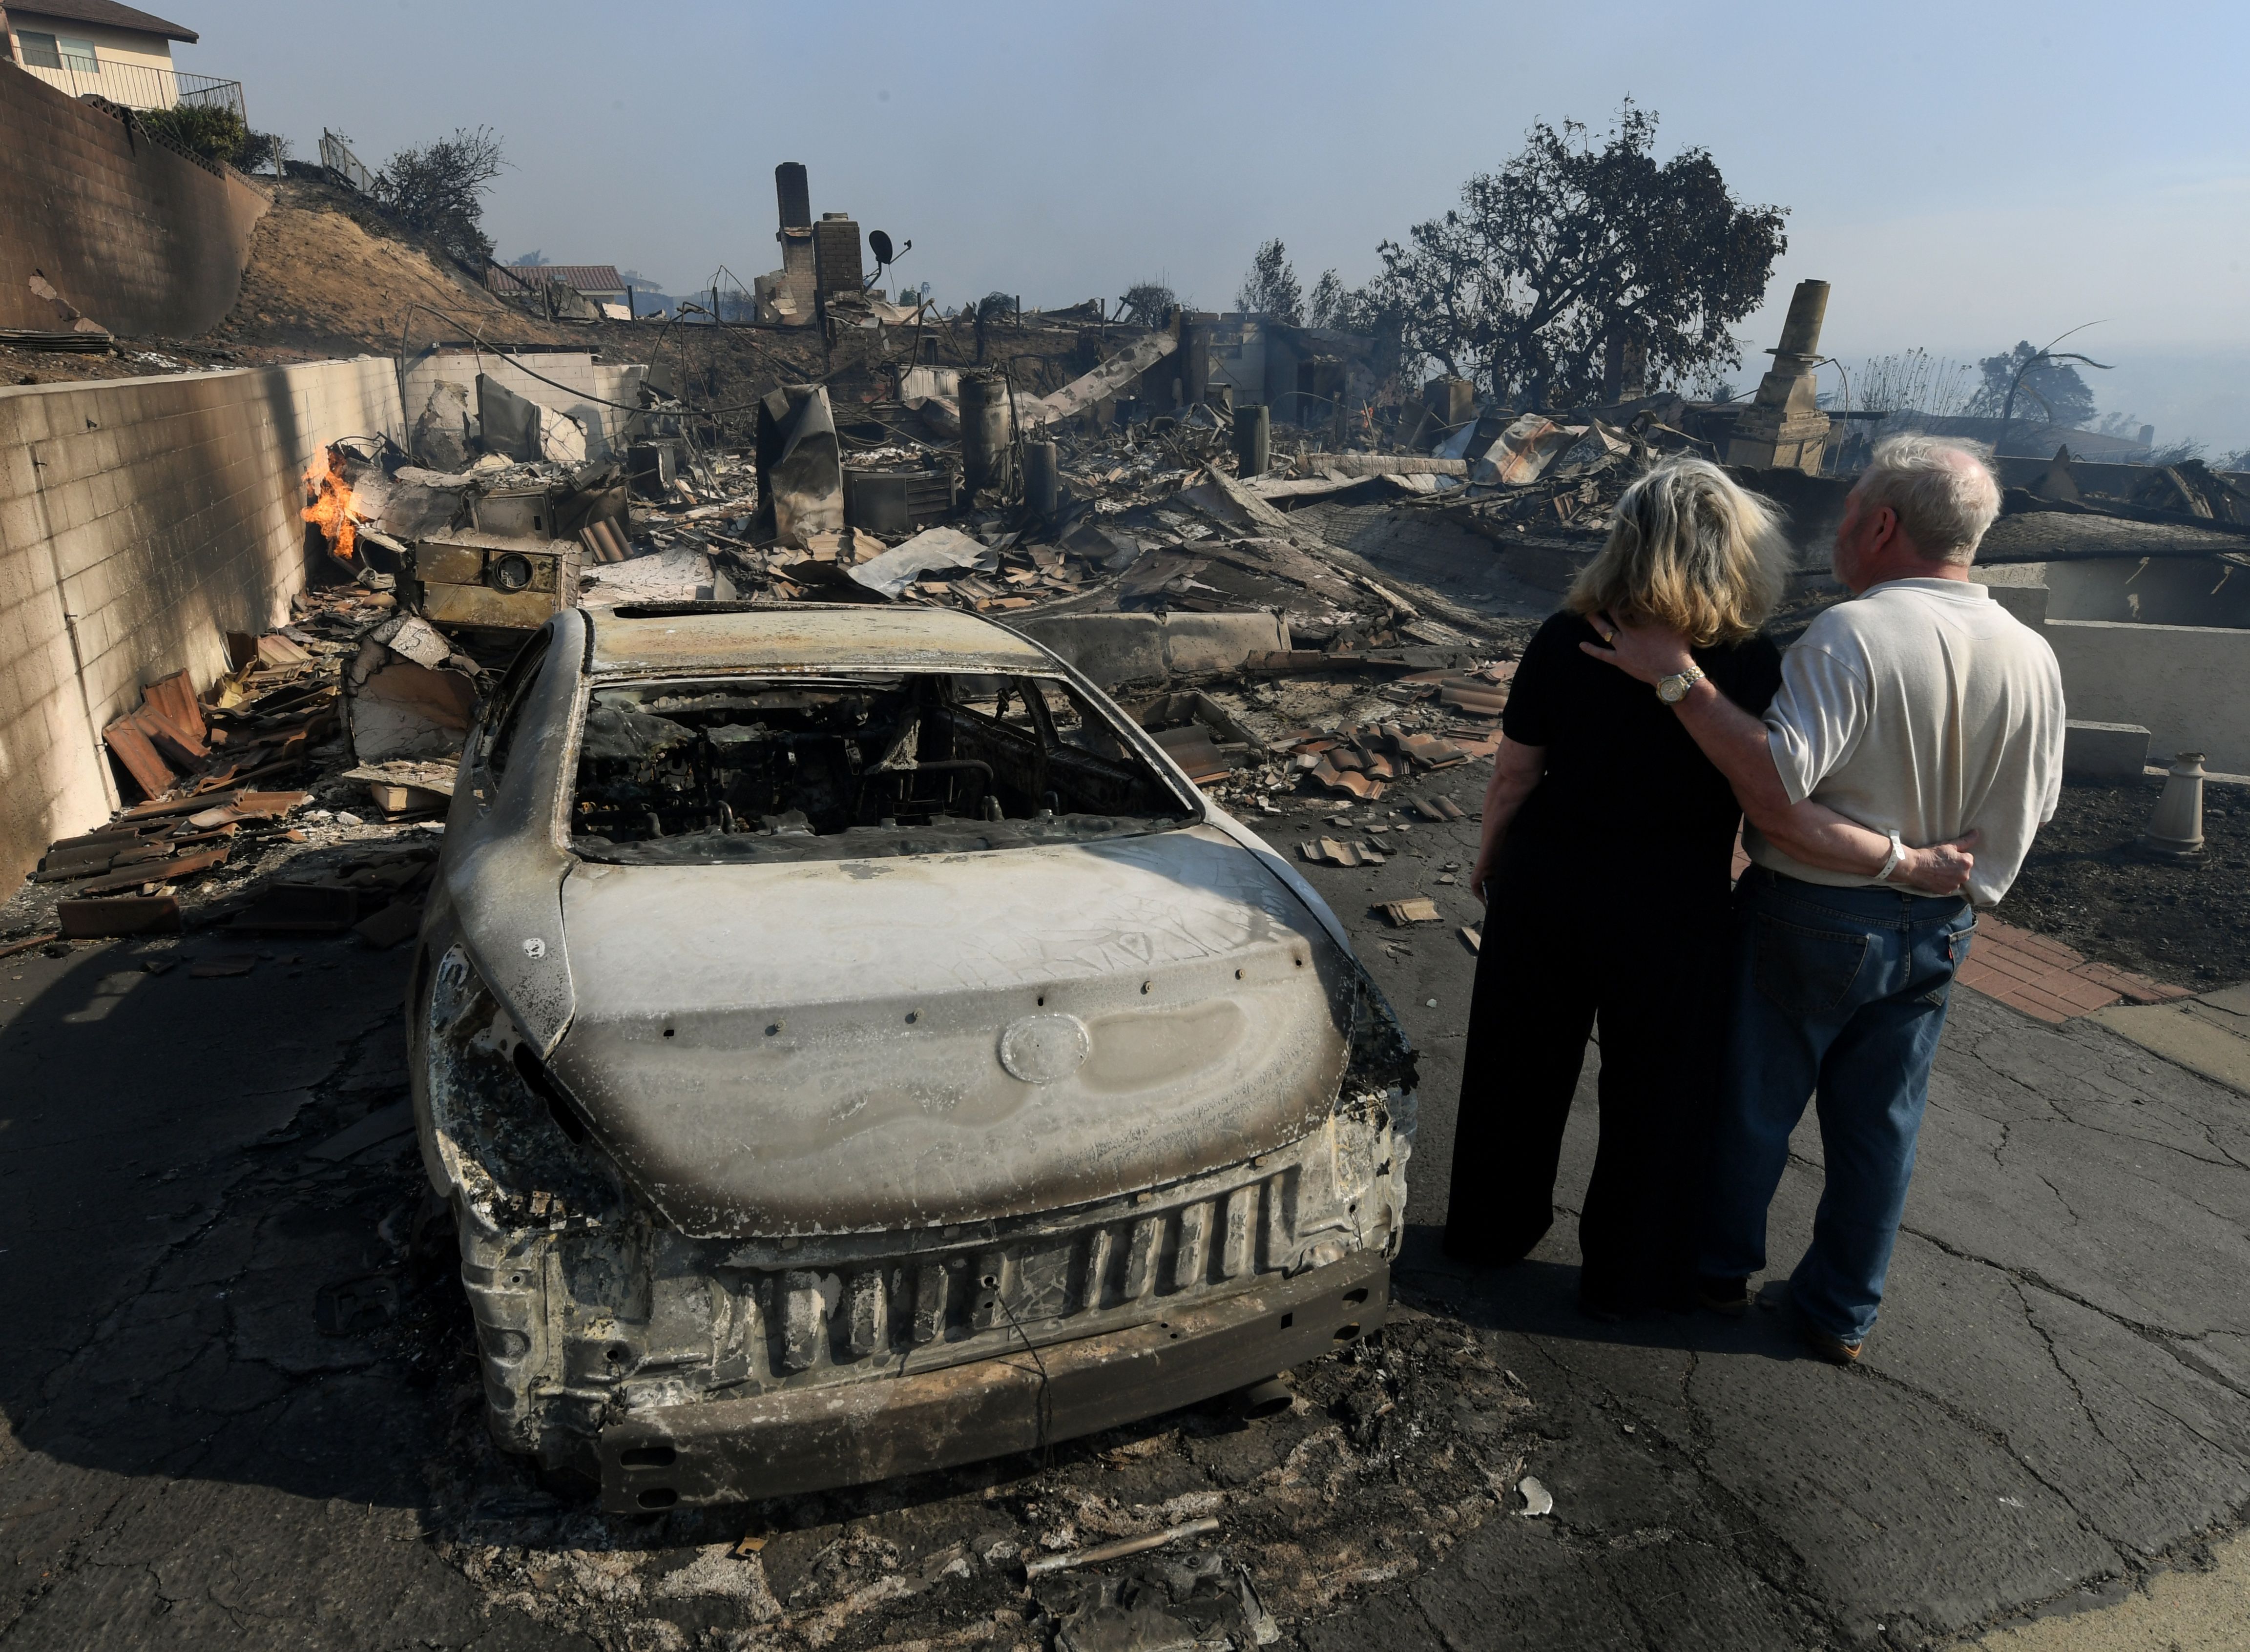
x=331, y=508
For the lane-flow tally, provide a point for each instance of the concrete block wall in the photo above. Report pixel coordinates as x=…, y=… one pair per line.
x=140, y=521
x=2189, y=686
x=140, y=240
x=569, y=381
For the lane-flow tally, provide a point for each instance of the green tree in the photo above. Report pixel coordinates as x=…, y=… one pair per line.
x=1525, y=283
x=1271, y=287
x=213, y=131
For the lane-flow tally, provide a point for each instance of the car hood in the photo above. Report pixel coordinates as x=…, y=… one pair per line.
x=837, y=1047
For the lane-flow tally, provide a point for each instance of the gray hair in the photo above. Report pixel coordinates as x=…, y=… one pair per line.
x=1943, y=491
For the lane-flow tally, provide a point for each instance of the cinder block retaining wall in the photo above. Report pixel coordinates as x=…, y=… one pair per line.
x=138, y=238
x=140, y=521
x=2189, y=686
x=594, y=393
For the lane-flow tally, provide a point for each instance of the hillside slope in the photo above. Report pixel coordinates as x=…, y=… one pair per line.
x=329, y=276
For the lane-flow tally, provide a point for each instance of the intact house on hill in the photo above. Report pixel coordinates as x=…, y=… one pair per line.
x=110, y=50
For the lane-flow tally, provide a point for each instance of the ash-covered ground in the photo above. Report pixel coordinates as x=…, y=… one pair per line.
x=2089, y=884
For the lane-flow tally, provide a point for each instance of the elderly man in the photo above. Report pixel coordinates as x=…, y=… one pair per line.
x=1921, y=708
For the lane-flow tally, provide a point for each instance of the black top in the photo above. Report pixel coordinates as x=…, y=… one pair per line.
x=1628, y=800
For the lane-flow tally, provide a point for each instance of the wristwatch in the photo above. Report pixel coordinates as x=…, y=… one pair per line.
x=1674, y=689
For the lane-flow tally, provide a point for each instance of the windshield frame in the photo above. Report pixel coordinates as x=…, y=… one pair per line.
x=1194, y=806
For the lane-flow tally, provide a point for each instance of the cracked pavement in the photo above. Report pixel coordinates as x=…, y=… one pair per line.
x=2051, y=1414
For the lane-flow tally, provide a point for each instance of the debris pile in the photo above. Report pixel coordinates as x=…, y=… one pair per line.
x=227, y=783
x=1207, y=1527
x=410, y=692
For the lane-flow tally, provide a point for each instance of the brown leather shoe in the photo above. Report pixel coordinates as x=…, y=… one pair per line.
x=1834, y=1349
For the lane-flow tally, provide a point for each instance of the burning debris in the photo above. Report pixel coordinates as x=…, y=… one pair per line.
x=330, y=508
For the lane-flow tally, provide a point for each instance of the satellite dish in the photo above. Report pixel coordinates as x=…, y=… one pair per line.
x=880, y=245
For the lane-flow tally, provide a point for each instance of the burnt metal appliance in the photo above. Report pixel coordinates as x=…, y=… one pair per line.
x=497, y=582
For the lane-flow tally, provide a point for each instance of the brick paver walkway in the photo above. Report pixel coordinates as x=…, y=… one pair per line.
x=2044, y=978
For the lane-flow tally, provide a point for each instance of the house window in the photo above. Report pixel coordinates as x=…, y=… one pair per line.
x=37, y=51
x=79, y=55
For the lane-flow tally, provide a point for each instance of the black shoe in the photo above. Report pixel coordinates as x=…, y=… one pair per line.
x=1480, y=1252
x=1608, y=1309
x=1728, y=1297
x=1676, y=1296
x=1604, y=1296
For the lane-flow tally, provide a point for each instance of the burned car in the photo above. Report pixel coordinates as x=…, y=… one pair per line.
x=851, y=1047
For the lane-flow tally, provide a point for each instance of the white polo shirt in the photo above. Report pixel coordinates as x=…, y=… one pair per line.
x=1921, y=706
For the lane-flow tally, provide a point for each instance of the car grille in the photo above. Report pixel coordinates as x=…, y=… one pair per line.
x=968, y=1300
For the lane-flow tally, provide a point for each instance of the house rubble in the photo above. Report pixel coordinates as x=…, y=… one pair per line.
x=1307, y=581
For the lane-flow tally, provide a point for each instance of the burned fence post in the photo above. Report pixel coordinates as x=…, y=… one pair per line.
x=1253, y=438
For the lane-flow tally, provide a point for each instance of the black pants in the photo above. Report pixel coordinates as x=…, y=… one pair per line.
x=1554, y=967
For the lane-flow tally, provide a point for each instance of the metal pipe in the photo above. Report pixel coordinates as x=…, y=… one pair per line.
x=1268, y=1398
x=1118, y=1550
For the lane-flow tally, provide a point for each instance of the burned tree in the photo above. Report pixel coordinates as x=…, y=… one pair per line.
x=1271, y=288
x=2028, y=377
x=1575, y=256
x=439, y=189
x=1146, y=303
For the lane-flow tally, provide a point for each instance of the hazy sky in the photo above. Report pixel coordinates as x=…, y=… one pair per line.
x=1966, y=174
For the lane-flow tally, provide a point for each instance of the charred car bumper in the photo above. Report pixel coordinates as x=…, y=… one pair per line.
x=814, y=1439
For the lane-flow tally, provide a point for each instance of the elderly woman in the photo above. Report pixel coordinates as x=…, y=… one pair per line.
x=1608, y=839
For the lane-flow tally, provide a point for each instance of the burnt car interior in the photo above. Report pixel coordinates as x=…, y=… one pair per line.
x=740, y=768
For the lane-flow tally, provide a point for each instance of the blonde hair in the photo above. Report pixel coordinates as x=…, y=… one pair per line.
x=1688, y=550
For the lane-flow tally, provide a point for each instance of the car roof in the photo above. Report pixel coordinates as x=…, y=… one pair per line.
x=802, y=637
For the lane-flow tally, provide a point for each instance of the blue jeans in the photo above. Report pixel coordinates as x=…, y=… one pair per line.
x=1839, y=993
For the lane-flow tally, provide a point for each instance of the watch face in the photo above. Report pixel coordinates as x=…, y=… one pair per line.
x=1673, y=690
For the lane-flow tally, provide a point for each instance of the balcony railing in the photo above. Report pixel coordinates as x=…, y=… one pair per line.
x=139, y=86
